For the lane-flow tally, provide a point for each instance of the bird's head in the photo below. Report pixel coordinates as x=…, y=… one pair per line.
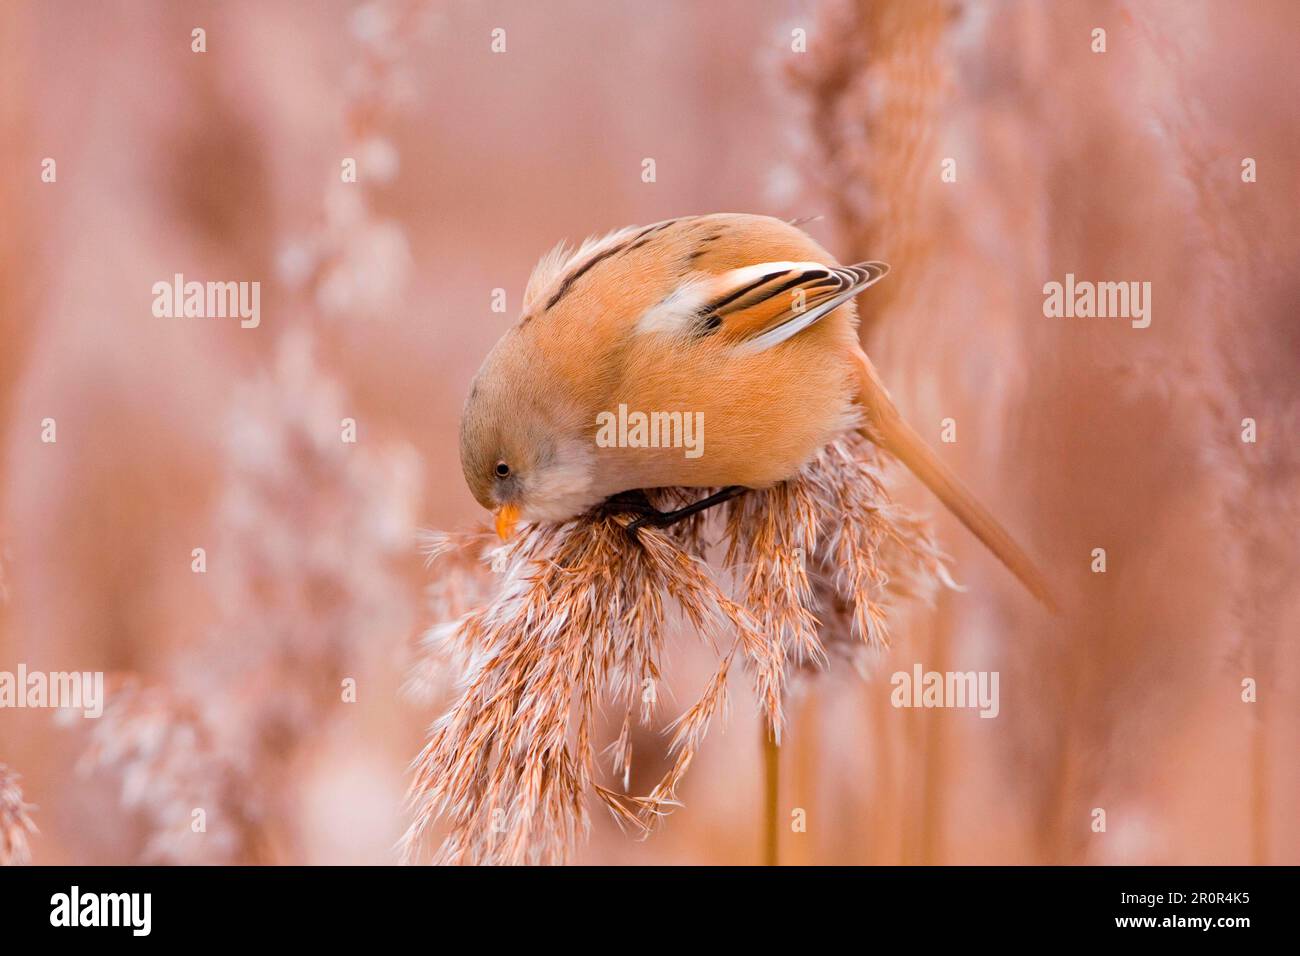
x=524, y=457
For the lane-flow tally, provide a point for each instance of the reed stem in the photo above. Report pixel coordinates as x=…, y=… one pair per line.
x=772, y=794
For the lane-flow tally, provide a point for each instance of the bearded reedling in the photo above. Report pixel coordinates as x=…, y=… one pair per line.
x=742, y=322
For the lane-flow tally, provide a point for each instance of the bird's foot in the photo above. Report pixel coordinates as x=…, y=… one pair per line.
x=625, y=502
x=662, y=519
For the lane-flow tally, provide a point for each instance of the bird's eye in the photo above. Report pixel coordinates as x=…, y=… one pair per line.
x=502, y=470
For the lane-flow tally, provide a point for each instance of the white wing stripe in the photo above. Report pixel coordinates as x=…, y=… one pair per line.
x=860, y=277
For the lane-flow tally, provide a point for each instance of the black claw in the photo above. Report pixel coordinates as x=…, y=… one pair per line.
x=660, y=519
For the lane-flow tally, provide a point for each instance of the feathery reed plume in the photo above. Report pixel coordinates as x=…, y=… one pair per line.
x=304, y=544
x=577, y=619
x=162, y=750
x=872, y=96
x=306, y=534
x=1250, y=371
x=873, y=102
x=1081, y=160
x=355, y=263
x=465, y=562
x=16, y=825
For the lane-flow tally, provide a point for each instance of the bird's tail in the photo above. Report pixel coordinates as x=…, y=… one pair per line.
x=886, y=427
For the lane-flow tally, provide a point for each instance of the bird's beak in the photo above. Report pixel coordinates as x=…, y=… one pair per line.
x=507, y=518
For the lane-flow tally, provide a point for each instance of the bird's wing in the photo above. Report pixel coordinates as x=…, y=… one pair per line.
x=761, y=305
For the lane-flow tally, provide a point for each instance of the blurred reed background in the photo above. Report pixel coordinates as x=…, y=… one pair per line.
x=176, y=434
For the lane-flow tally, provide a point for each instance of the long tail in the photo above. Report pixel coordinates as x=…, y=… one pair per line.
x=886, y=427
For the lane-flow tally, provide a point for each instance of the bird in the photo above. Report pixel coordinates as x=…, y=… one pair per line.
x=739, y=324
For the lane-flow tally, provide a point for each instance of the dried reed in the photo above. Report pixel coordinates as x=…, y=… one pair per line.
x=1080, y=160
x=305, y=542
x=16, y=825
x=306, y=535
x=160, y=747
x=1250, y=369
x=875, y=100
x=576, y=618
x=873, y=96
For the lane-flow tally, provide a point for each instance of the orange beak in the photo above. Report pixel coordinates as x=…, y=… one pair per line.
x=507, y=518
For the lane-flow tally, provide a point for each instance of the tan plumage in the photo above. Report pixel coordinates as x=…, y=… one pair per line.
x=742, y=318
